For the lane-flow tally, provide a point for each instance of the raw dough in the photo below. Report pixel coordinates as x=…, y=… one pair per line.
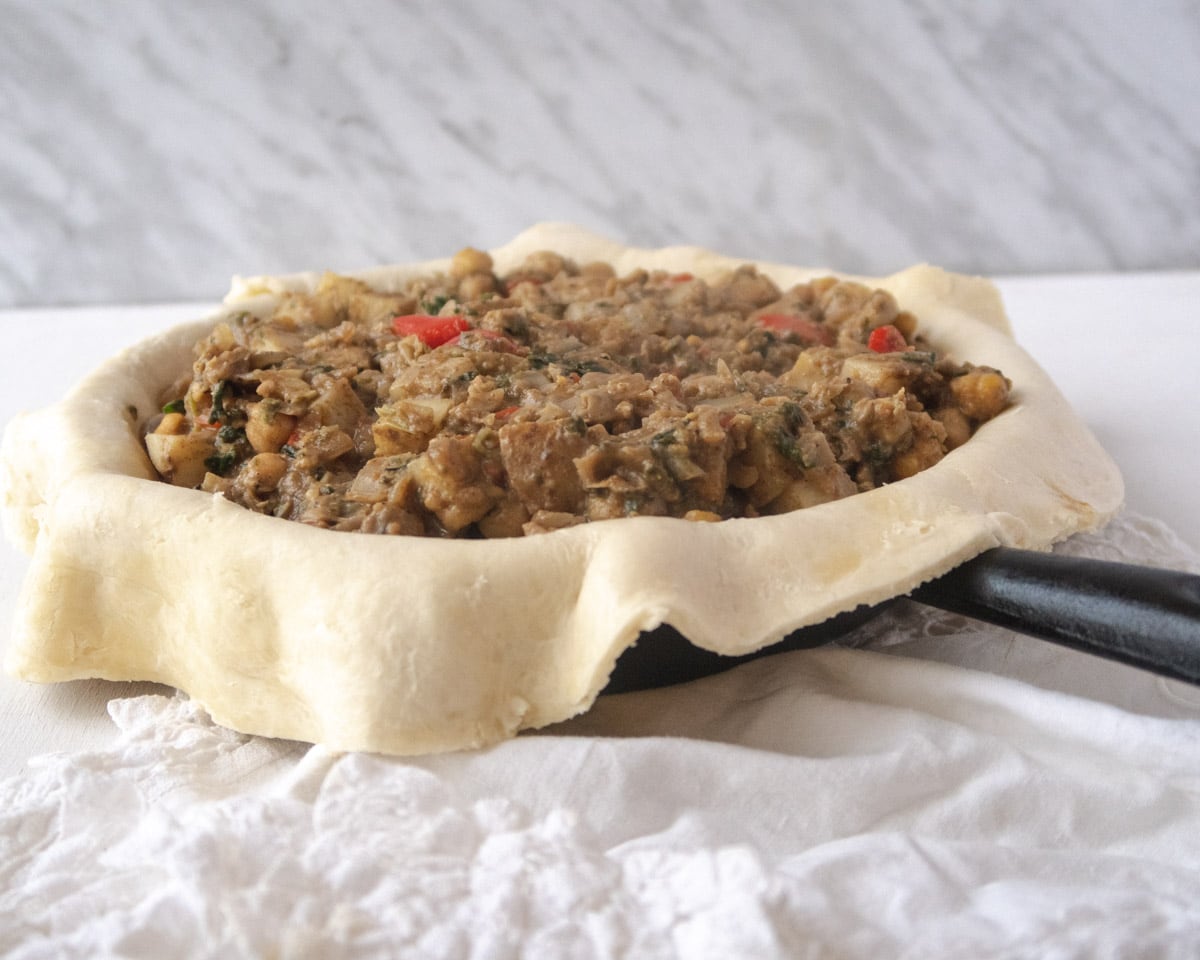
x=413, y=645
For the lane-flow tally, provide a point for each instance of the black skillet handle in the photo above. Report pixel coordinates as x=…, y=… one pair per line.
x=1141, y=616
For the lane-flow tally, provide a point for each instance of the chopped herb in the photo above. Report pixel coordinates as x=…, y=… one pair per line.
x=761, y=342
x=585, y=366
x=288, y=450
x=433, y=305
x=793, y=415
x=485, y=439
x=877, y=454
x=229, y=434
x=218, y=402
x=791, y=448
x=221, y=462
x=664, y=439
x=175, y=406
x=785, y=435
x=568, y=366
x=577, y=425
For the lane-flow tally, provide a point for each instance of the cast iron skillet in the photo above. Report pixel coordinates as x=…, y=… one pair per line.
x=1141, y=616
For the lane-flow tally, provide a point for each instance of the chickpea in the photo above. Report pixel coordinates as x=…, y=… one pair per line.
x=742, y=475
x=747, y=289
x=958, y=427
x=506, y=519
x=980, y=393
x=924, y=453
x=597, y=270
x=475, y=285
x=821, y=285
x=544, y=264
x=906, y=323
x=468, y=261
x=264, y=471
x=266, y=428
x=180, y=457
x=841, y=300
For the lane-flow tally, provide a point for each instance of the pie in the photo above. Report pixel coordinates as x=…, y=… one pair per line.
x=460, y=629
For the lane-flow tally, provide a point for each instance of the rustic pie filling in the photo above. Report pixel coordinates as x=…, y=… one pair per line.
x=471, y=404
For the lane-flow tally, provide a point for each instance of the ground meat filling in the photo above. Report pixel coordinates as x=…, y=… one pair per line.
x=472, y=404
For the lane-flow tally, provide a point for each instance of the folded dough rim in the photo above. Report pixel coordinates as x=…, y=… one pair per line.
x=413, y=645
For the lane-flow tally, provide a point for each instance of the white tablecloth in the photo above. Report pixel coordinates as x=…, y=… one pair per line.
x=933, y=788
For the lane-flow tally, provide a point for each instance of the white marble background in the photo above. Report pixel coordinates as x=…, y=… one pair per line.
x=149, y=150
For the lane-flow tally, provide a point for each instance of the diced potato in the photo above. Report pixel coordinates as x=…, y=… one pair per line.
x=338, y=405
x=376, y=480
x=885, y=373
x=407, y=426
x=451, y=485
x=324, y=445
x=811, y=366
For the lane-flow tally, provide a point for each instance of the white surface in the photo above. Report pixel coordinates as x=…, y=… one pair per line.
x=149, y=154
x=1121, y=349
x=836, y=801
x=834, y=804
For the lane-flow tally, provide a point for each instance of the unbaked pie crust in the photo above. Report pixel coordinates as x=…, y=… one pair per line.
x=412, y=645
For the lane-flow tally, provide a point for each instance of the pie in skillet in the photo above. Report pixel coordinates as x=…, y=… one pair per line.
x=422, y=508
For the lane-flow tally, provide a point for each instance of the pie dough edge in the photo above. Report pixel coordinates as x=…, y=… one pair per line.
x=408, y=646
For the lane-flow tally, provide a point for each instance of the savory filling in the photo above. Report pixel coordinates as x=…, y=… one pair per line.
x=471, y=404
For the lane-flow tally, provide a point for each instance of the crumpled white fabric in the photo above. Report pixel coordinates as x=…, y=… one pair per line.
x=828, y=803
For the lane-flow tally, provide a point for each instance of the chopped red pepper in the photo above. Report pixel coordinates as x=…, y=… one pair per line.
x=431, y=331
x=886, y=339
x=680, y=277
x=805, y=328
x=506, y=412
